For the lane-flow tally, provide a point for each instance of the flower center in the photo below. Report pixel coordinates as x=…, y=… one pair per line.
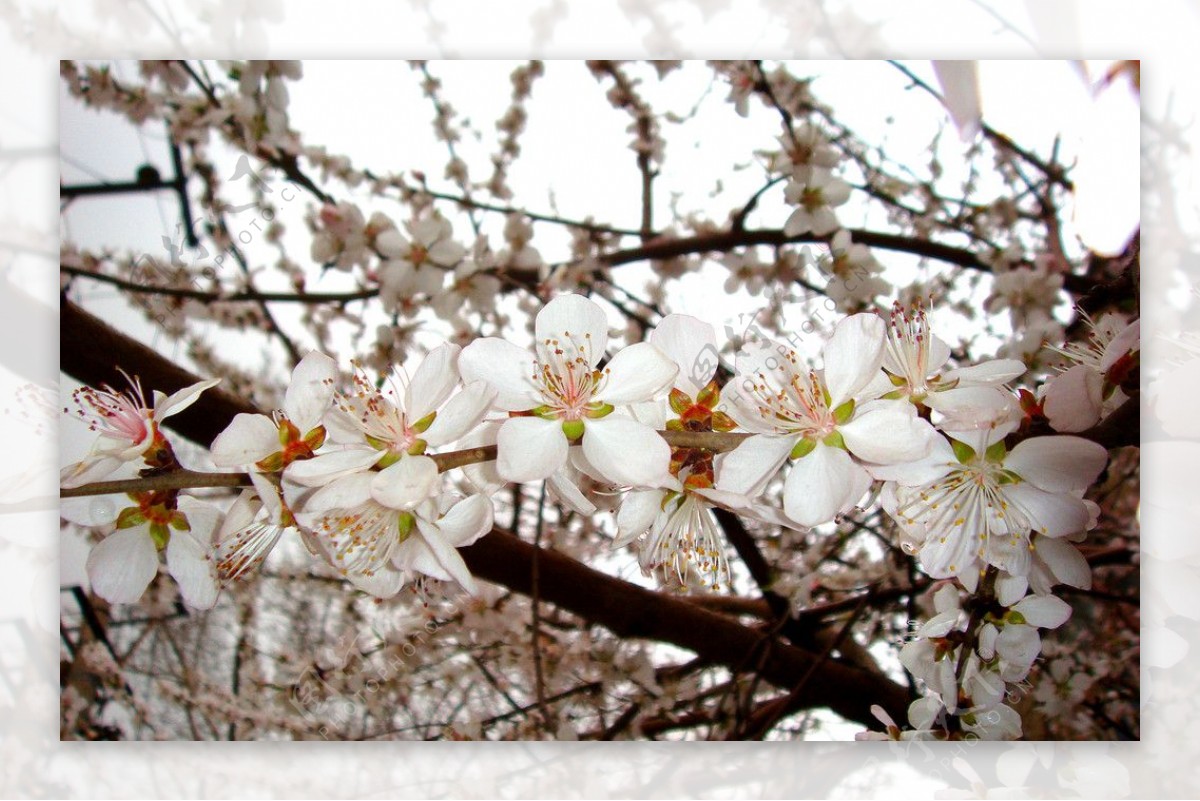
x=113, y=414
x=798, y=406
x=564, y=376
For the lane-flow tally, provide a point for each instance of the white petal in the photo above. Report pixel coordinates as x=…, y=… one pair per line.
x=1058, y=464
x=93, y=468
x=1064, y=561
x=637, y=373
x=177, y=402
x=821, y=485
x=1044, y=611
x=506, y=367
x=331, y=466
x=1019, y=645
x=346, y=492
x=384, y=582
x=406, y=483
x=1074, y=399
x=433, y=381
x=564, y=489
x=191, y=565
x=467, y=521
x=960, y=90
x=268, y=494
x=447, y=253
x=530, y=448
x=446, y=556
x=1010, y=589
x=122, y=565
x=692, y=344
x=637, y=513
x=241, y=514
x=391, y=244
x=887, y=431
x=310, y=391
x=461, y=414
x=748, y=467
x=1121, y=344
x=853, y=356
x=578, y=316
x=626, y=452
x=249, y=438
x=927, y=470
x=1052, y=514
x=993, y=371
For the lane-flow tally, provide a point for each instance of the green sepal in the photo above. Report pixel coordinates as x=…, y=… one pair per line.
x=597, y=410
x=271, y=464
x=803, y=448
x=834, y=439
x=722, y=422
x=896, y=394
x=315, y=438
x=680, y=401
x=405, y=523
x=179, y=521
x=417, y=448
x=129, y=517
x=996, y=452
x=962, y=451
x=573, y=429
x=675, y=425
x=544, y=412
x=388, y=459
x=844, y=412
x=424, y=423
x=1013, y=616
x=160, y=534
x=710, y=396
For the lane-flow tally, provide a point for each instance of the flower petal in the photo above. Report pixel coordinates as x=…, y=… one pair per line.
x=446, y=556
x=310, y=391
x=565, y=490
x=637, y=513
x=1063, y=563
x=1051, y=514
x=530, y=448
x=886, y=432
x=331, y=466
x=574, y=314
x=178, y=401
x=637, y=373
x=692, y=344
x=626, y=452
x=748, y=467
x=461, y=414
x=821, y=485
x=193, y=568
x=406, y=483
x=432, y=382
x=1058, y=464
x=1074, y=399
x=504, y=366
x=122, y=565
x=993, y=371
x=467, y=521
x=247, y=439
x=1044, y=611
x=853, y=356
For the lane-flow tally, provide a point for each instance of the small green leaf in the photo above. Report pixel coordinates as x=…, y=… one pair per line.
x=835, y=440
x=405, y=524
x=573, y=429
x=803, y=448
x=161, y=535
x=129, y=517
x=844, y=412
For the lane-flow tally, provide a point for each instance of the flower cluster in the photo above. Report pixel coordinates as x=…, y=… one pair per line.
x=358, y=468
